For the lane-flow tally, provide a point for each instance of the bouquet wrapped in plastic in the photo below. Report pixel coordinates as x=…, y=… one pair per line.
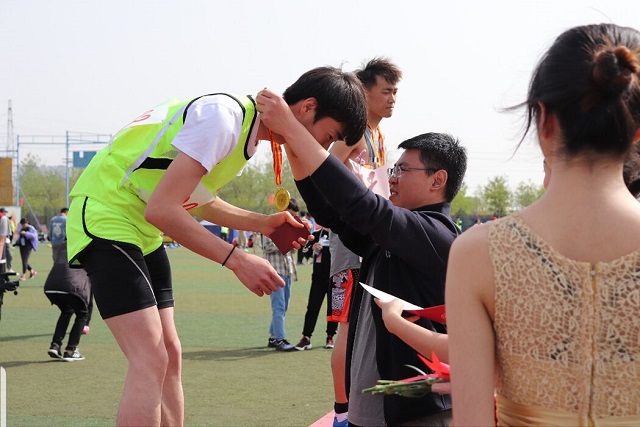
x=417, y=386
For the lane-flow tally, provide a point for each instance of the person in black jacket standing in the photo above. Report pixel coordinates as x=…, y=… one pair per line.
x=404, y=242
x=70, y=290
x=319, y=289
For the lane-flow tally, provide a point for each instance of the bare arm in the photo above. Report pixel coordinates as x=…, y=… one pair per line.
x=469, y=300
x=421, y=339
x=344, y=152
x=165, y=211
x=221, y=212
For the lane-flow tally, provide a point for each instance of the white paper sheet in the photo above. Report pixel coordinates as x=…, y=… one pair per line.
x=385, y=297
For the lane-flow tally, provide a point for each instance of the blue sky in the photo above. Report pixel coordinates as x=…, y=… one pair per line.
x=92, y=66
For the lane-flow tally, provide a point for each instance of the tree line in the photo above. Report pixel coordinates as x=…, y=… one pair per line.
x=43, y=190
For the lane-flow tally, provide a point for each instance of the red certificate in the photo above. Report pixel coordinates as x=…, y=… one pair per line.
x=286, y=234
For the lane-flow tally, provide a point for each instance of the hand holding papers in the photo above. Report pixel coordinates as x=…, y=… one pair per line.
x=436, y=313
x=385, y=297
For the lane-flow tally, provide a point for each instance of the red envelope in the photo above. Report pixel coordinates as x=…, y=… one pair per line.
x=286, y=234
x=436, y=313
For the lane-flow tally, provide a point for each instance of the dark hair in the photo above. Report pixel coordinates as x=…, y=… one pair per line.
x=23, y=221
x=340, y=96
x=64, y=210
x=378, y=66
x=589, y=80
x=441, y=151
x=293, y=205
x=631, y=170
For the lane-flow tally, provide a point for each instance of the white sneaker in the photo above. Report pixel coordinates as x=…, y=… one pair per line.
x=72, y=356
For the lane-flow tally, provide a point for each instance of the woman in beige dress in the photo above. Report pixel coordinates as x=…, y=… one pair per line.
x=542, y=305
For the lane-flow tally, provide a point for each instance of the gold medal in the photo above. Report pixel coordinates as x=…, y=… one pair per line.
x=281, y=199
x=282, y=196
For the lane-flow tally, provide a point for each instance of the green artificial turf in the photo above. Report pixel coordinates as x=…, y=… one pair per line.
x=230, y=377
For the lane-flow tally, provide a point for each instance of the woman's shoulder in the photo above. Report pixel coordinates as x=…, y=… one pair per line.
x=474, y=236
x=470, y=268
x=472, y=247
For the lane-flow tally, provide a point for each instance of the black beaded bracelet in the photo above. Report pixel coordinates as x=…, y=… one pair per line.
x=227, y=258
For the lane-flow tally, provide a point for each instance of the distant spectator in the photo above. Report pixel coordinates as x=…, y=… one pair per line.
x=319, y=290
x=224, y=233
x=70, y=290
x=242, y=239
x=7, y=255
x=303, y=257
x=280, y=298
x=27, y=241
x=5, y=231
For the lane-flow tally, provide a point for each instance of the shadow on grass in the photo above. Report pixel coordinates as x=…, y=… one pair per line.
x=22, y=337
x=18, y=363
x=228, y=355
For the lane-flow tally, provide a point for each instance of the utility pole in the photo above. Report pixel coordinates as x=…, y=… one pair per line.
x=10, y=147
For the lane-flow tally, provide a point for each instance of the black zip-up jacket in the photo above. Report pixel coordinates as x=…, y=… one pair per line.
x=407, y=250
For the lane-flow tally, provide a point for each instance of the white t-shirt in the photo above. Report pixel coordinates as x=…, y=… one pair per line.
x=212, y=129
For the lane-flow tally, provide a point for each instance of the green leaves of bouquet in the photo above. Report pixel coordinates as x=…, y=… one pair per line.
x=417, y=386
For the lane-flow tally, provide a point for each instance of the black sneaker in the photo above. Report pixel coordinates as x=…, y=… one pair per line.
x=72, y=355
x=329, y=343
x=54, y=351
x=284, y=345
x=272, y=343
x=304, y=344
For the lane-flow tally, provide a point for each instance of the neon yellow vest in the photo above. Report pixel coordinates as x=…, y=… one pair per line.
x=123, y=175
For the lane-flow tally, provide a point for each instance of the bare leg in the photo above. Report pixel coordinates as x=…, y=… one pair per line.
x=172, y=412
x=139, y=335
x=338, y=363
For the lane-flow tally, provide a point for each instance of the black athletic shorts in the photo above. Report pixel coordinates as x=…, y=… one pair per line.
x=123, y=280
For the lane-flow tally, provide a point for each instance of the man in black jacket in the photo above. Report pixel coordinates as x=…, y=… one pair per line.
x=319, y=289
x=404, y=242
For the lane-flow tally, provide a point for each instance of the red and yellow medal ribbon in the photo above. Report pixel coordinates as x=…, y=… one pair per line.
x=282, y=196
x=276, y=150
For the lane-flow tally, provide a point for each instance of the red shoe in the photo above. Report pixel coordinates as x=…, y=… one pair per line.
x=329, y=343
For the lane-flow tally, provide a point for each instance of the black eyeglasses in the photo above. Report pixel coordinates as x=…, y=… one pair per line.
x=398, y=170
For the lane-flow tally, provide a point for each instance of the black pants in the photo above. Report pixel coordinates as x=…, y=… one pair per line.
x=25, y=253
x=69, y=305
x=302, y=255
x=320, y=284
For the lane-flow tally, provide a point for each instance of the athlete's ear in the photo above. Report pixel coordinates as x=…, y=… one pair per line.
x=309, y=105
x=305, y=110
